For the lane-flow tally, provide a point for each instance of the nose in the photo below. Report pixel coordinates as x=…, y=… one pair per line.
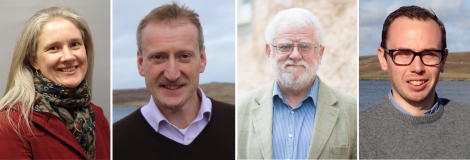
x=172, y=72
x=67, y=55
x=416, y=65
x=295, y=55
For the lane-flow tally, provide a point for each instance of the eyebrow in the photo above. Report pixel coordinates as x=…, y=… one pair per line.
x=426, y=49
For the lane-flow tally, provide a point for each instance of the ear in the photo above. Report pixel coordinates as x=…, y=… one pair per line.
x=441, y=66
x=202, y=67
x=322, y=50
x=268, y=50
x=140, y=63
x=33, y=61
x=382, y=58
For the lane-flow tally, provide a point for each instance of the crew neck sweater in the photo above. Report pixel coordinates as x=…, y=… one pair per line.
x=134, y=138
x=385, y=132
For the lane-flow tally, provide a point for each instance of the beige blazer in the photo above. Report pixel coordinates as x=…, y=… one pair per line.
x=334, y=132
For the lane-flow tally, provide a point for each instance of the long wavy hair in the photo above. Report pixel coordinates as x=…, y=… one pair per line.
x=20, y=91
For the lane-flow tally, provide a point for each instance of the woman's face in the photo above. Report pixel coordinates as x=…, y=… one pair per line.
x=61, y=54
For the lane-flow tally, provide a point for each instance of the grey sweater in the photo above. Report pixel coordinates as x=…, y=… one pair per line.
x=385, y=132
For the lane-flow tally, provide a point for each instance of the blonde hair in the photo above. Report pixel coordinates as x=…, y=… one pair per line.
x=20, y=91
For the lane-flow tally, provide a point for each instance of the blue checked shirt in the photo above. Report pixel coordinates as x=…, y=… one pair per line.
x=397, y=106
x=292, y=128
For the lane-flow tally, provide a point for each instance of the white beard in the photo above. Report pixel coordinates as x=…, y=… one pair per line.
x=287, y=80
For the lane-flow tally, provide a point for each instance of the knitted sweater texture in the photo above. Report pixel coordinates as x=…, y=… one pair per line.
x=134, y=138
x=385, y=132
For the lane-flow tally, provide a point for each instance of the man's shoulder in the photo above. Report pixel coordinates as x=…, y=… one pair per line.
x=220, y=104
x=455, y=108
x=255, y=95
x=128, y=122
x=227, y=110
x=375, y=110
x=346, y=100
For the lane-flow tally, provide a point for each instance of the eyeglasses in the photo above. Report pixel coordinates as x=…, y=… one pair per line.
x=404, y=57
x=287, y=48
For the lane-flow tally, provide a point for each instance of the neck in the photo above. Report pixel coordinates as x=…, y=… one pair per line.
x=293, y=97
x=184, y=116
x=413, y=107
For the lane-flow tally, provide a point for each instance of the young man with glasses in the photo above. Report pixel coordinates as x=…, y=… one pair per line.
x=411, y=121
x=297, y=116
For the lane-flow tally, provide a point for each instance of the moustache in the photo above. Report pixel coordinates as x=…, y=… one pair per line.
x=298, y=63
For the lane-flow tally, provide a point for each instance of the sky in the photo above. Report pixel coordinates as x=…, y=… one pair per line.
x=455, y=14
x=217, y=18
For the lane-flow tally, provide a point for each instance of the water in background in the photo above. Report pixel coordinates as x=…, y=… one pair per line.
x=121, y=112
x=371, y=92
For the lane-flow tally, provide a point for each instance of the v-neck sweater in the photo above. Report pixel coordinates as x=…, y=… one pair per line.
x=134, y=138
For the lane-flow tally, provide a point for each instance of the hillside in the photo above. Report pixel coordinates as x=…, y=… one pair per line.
x=457, y=68
x=224, y=92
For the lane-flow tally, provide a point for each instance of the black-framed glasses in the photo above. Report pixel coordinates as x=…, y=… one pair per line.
x=287, y=48
x=404, y=57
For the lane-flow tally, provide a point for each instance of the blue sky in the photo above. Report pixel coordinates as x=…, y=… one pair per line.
x=455, y=14
x=218, y=22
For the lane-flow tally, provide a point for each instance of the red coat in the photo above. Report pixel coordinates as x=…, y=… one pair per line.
x=52, y=139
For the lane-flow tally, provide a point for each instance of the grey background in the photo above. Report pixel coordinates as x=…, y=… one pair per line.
x=13, y=16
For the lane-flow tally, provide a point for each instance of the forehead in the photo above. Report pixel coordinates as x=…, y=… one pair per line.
x=405, y=32
x=159, y=34
x=288, y=32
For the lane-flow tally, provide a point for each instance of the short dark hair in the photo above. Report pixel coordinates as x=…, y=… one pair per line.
x=170, y=13
x=413, y=12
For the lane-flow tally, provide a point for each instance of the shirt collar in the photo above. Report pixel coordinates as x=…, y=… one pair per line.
x=312, y=93
x=205, y=111
x=397, y=106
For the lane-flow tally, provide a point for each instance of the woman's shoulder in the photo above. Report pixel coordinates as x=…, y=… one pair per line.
x=96, y=108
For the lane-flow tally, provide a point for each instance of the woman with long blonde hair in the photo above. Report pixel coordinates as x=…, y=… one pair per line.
x=46, y=111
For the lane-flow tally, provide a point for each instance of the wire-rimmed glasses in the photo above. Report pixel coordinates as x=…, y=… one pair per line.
x=303, y=48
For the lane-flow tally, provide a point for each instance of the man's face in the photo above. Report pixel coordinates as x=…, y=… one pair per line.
x=413, y=84
x=171, y=62
x=294, y=71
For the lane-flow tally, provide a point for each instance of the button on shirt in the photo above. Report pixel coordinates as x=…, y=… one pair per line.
x=293, y=127
x=184, y=136
x=397, y=106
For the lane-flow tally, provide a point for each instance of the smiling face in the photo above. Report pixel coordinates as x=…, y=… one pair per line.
x=60, y=53
x=171, y=62
x=294, y=71
x=414, y=84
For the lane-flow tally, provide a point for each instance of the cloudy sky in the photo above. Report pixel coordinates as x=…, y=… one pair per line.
x=455, y=15
x=218, y=22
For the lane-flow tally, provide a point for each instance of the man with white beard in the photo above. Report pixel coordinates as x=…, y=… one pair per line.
x=296, y=116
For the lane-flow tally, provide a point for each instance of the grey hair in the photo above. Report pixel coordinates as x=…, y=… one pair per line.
x=295, y=17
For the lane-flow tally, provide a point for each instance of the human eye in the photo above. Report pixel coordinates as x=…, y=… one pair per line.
x=284, y=47
x=305, y=46
x=158, y=58
x=185, y=57
x=402, y=53
x=75, y=45
x=52, y=49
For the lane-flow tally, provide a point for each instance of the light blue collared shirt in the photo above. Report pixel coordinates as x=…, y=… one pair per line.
x=397, y=106
x=293, y=127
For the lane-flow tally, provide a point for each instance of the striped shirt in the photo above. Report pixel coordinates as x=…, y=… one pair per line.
x=293, y=127
x=397, y=106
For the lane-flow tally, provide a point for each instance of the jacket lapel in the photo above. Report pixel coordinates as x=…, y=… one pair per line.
x=54, y=126
x=325, y=120
x=263, y=122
